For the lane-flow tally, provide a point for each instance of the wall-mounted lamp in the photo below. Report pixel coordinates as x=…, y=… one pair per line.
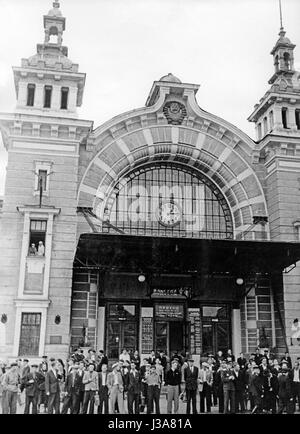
x=239, y=281
x=141, y=278
x=57, y=319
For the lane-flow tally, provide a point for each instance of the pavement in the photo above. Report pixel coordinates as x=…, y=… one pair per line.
x=163, y=406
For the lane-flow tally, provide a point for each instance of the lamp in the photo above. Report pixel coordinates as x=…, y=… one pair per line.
x=141, y=278
x=3, y=318
x=239, y=281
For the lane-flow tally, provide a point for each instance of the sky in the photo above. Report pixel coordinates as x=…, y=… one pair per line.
x=125, y=45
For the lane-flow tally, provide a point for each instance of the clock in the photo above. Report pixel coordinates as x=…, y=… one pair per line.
x=169, y=214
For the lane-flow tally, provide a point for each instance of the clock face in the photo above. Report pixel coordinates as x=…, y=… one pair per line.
x=169, y=214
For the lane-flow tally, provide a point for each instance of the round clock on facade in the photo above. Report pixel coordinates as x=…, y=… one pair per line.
x=169, y=214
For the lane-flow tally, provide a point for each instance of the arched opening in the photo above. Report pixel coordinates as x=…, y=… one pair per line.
x=265, y=125
x=53, y=35
x=276, y=63
x=168, y=199
x=271, y=119
x=287, y=61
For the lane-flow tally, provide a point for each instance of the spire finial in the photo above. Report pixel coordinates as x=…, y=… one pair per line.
x=282, y=32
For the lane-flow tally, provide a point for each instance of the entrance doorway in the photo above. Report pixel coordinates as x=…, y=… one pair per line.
x=169, y=336
x=216, y=329
x=121, y=330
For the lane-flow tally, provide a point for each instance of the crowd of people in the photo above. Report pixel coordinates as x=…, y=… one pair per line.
x=85, y=384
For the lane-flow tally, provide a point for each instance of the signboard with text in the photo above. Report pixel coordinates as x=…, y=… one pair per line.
x=169, y=311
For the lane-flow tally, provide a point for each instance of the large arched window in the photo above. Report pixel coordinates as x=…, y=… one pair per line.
x=169, y=200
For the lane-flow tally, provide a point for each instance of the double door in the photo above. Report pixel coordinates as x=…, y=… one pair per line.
x=169, y=336
x=120, y=334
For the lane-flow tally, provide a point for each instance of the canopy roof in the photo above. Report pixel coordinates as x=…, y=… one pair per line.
x=129, y=253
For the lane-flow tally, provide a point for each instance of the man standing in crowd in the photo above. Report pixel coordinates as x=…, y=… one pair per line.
x=10, y=384
x=257, y=388
x=205, y=387
x=239, y=386
x=101, y=360
x=134, y=390
x=296, y=384
x=52, y=388
x=103, y=390
x=219, y=385
x=30, y=383
x=153, y=391
x=72, y=390
x=173, y=380
x=227, y=378
x=91, y=387
x=190, y=376
x=116, y=389
x=285, y=392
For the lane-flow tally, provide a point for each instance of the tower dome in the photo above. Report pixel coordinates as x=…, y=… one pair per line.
x=170, y=78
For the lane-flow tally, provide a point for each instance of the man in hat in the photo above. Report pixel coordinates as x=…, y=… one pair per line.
x=227, y=378
x=30, y=383
x=257, y=389
x=72, y=391
x=173, y=380
x=43, y=363
x=10, y=384
x=101, y=360
x=205, y=387
x=91, y=388
x=116, y=388
x=190, y=376
x=52, y=388
x=285, y=391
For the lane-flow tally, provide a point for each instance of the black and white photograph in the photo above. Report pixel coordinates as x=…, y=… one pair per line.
x=150, y=210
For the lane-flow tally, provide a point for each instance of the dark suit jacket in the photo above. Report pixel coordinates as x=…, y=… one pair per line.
x=51, y=382
x=191, y=378
x=69, y=388
x=284, y=386
x=31, y=389
x=103, y=388
x=239, y=381
x=134, y=383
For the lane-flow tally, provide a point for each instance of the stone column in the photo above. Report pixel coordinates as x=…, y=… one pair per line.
x=236, y=332
x=101, y=328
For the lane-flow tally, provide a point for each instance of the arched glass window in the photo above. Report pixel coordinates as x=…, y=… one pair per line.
x=169, y=200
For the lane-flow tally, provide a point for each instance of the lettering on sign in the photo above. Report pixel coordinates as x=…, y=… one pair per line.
x=194, y=318
x=169, y=311
x=147, y=334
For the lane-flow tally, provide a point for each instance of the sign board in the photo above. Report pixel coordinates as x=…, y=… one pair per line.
x=169, y=311
x=179, y=292
x=147, y=335
x=194, y=317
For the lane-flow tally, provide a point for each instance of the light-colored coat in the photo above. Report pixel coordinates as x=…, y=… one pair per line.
x=209, y=378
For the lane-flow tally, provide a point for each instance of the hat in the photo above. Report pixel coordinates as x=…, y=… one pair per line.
x=210, y=355
x=12, y=364
x=25, y=360
x=34, y=365
x=255, y=367
x=205, y=364
x=75, y=366
x=190, y=359
x=52, y=359
x=115, y=365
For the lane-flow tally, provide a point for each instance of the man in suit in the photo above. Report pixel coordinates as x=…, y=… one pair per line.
x=30, y=383
x=134, y=390
x=173, y=380
x=240, y=387
x=81, y=372
x=116, y=389
x=285, y=392
x=242, y=361
x=72, y=390
x=52, y=388
x=191, y=373
x=205, y=387
x=257, y=389
x=295, y=376
x=103, y=390
x=227, y=378
x=91, y=387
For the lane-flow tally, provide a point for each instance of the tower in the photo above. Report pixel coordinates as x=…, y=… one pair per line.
x=277, y=122
x=42, y=138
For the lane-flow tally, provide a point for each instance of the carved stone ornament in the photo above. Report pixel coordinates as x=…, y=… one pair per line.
x=175, y=112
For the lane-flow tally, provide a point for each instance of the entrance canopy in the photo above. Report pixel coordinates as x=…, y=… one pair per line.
x=142, y=254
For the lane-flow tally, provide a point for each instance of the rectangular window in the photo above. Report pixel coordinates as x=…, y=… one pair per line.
x=30, y=334
x=47, y=96
x=30, y=94
x=64, y=98
x=284, y=117
x=297, y=118
x=42, y=179
x=37, y=237
x=259, y=131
